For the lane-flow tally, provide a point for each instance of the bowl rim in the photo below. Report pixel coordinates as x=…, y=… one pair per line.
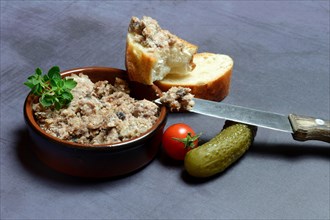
x=131, y=143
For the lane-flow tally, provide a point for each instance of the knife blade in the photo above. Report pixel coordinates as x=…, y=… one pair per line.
x=302, y=128
x=243, y=115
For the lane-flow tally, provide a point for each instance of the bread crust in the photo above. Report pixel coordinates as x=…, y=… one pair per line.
x=138, y=64
x=215, y=90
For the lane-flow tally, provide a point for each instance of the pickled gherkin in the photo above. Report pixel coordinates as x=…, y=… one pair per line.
x=221, y=151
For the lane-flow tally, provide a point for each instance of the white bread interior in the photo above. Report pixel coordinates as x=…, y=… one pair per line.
x=152, y=53
x=210, y=79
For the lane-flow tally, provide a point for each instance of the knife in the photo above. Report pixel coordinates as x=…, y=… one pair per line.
x=302, y=128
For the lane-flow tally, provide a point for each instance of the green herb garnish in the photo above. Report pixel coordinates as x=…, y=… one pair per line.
x=51, y=89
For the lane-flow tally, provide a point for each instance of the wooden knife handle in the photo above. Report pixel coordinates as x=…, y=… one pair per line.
x=309, y=128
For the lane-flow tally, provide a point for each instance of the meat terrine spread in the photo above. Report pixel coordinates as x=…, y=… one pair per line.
x=178, y=99
x=99, y=113
x=149, y=34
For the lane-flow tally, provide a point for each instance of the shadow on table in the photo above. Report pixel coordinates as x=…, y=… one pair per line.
x=297, y=151
x=280, y=151
x=290, y=152
x=33, y=165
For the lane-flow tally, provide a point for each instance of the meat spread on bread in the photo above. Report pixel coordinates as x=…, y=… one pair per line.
x=152, y=53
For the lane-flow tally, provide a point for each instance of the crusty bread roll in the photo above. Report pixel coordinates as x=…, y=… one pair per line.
x=152, y=53
x=210, y=79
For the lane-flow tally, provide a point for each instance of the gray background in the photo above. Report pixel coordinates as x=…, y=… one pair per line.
x=281, y=54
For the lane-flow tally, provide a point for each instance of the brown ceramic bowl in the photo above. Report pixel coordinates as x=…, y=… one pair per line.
x=107, y=160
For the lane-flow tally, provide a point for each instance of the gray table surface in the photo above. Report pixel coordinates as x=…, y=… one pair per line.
x=281, y=54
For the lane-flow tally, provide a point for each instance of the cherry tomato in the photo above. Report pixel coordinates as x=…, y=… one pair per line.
x=178, y=139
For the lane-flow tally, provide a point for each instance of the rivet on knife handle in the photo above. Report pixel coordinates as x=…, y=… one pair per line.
x=309, y=128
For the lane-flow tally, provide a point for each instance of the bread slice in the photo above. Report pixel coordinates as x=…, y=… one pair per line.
x=152, y=53
x=210, y=79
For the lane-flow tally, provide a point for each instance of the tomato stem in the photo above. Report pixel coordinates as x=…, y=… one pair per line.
x=188, y=141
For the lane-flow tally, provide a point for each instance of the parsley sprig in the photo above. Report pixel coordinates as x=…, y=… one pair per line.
x=51, y=89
